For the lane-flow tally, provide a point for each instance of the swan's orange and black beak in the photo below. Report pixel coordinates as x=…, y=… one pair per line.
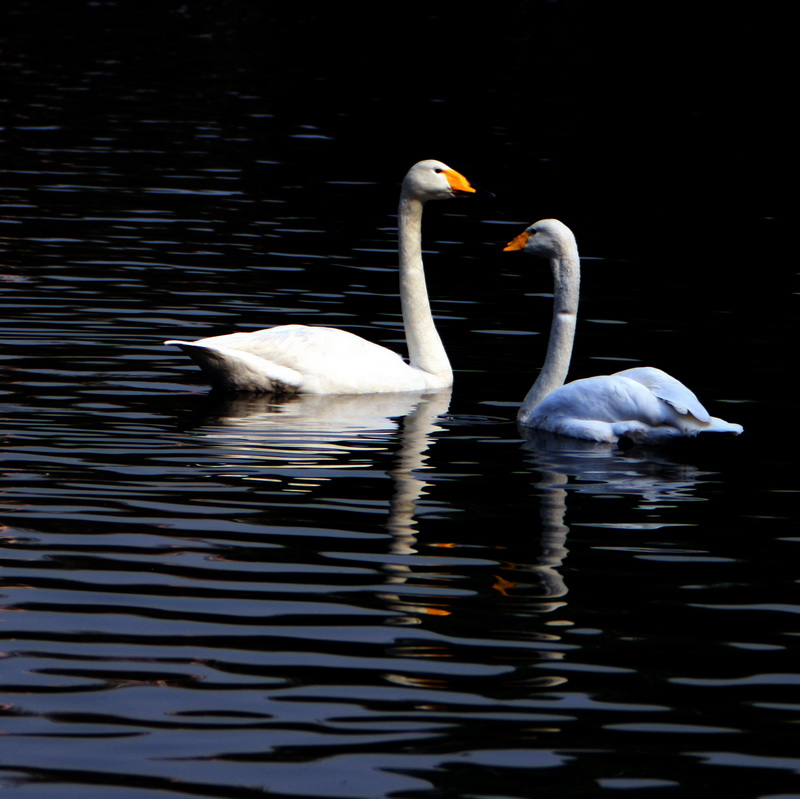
x=458, y=183
x=518, y=242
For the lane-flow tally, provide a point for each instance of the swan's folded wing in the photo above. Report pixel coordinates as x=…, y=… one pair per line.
x=669, y=390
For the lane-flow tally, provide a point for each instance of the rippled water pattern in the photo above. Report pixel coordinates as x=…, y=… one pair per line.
x=356, y=597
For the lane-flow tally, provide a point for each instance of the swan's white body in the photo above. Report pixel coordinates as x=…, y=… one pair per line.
x=292, y=359
x=643, y=404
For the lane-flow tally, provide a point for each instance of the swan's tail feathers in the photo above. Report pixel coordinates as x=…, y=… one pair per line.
x=664, y=433
x=716, y=425
x=689, y=425
x=236, y=370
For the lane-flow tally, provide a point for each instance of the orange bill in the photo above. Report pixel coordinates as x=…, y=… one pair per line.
x=518, y=243
x=458, y=183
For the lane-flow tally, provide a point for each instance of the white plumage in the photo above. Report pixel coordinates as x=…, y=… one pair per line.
x=292, y=359
x=643, y=404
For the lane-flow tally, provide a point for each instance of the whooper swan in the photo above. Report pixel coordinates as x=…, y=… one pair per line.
x=642, y=404
x=292, y=359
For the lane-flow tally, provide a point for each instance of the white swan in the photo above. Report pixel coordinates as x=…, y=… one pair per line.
x=642, y=404
x=292, y=359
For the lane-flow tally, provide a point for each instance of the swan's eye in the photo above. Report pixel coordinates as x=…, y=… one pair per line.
x=437, y=170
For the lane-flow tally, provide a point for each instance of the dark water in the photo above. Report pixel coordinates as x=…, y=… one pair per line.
x=361, y=597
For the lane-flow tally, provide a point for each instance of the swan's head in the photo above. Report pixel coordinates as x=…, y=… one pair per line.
x=547, y=237
x=433, y=180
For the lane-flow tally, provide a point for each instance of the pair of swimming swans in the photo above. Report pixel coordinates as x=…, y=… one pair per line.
x=643, y=404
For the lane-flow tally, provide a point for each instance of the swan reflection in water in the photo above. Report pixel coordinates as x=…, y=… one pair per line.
x=320, y=418
x=567, y=465
x=320, y=436
x=311, y=439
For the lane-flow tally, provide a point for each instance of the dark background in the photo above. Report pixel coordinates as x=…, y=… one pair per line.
x=661, y=117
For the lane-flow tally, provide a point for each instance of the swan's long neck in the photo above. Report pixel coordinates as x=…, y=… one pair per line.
x=425, y=348
x=566, y=278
